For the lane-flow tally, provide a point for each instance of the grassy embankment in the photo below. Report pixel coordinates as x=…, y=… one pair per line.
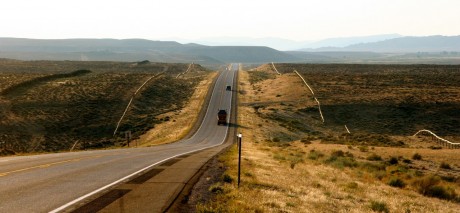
x=297, y=164
x=181, y=121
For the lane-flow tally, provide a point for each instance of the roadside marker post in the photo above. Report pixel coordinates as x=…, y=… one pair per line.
x=239, y=157
x=128, y=136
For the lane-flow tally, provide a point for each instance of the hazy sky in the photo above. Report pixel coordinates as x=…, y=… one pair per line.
x=290, y=19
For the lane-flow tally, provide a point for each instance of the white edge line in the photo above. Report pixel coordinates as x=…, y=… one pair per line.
x=207, y=110
x=139, y=171
x=125, y=178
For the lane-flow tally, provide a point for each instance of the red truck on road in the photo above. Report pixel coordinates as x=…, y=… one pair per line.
x=222, y=117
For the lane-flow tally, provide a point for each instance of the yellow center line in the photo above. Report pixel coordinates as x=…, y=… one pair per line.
x=48, y=165
x=223, y=90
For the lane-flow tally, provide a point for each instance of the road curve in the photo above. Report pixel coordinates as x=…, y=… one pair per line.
x=53, y=182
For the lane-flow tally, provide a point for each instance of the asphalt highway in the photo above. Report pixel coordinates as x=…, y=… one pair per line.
x=54, y=182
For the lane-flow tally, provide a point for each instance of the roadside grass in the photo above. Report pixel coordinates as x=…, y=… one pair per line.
x=311, y=186
x=179, y=122
x=293, y=171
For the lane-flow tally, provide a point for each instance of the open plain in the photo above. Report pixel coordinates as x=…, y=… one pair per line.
x=294, y=162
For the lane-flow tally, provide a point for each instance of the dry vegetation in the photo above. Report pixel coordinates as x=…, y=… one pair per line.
x=50, y=106
x=294, y=163
x=181, y=121
x=388, y=99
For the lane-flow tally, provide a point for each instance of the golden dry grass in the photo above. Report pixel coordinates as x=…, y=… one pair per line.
x=269, y=185
x=180, y=122
x=283, y=179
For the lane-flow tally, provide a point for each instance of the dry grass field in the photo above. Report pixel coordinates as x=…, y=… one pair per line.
x=292, y=162
x=52, y=105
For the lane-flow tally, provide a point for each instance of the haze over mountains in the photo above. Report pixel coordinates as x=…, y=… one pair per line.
x=406, y=44
x=391, y=48
x=286, y=44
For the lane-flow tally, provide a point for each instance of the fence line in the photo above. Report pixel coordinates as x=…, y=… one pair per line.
x=311, y=90
x=447, y=142
x=131, y=100
x=188, y=69
x=276, y=70
x=313, y=93
x=71, y=149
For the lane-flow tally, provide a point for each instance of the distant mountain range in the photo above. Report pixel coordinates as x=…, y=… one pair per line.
x=406, y=44
x=135, y=49
x=347, y=41
x=286, y=44
x=429, y=49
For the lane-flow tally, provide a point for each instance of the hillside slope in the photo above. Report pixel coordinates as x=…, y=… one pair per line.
x=55, y=109
x=135, y=50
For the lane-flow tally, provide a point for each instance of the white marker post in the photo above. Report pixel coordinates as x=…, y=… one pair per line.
x=240, y=136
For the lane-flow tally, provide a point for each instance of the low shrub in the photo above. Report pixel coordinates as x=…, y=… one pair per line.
x=435, y=147
x=315, y=155
x=340, y=153
x=373, y=166
x=380, y=174
x=289, y=204
x=216, y=188
x=272, y=205
x=393, y=161
x=341, y=162
x=227, y=178
x=379, y=206
x=363, y=148
x=306, y=140
x=396, y=182
x=294, y=160
x=279, y=157
x=352, y=185
x=445, y=165
x=417, y=156
x=407, y=161
x=442, y=192
x=451, y=179
x=430, y=186
x=374, y=157
x=248, y=174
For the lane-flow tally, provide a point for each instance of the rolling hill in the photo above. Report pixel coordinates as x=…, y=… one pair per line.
x=135, y=50
x=49, y=106
x=424, y=50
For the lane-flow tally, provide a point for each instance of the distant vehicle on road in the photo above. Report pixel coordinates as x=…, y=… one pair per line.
x=222, y=117
x=229, y=88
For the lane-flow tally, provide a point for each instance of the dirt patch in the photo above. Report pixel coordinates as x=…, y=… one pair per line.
x=201, y=192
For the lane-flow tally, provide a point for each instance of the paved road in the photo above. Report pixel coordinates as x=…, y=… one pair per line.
x=52, y=182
